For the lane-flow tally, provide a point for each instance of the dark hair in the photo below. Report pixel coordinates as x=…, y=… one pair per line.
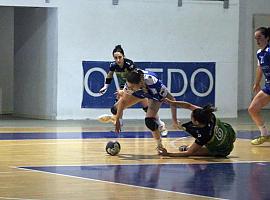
x=264, y=31
x=135, y=76
x=119, y=49
x=203, y=115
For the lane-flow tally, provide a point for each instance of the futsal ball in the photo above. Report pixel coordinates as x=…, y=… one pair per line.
x=113, y=148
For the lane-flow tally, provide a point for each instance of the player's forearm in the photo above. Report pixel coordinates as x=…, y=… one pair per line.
x=185, y=105
x=120, y=109
x=109, y=75
x=174, y=113
x=258, y=77
x=180, y=154
x=191, y=150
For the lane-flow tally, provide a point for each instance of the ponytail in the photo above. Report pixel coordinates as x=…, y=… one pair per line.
x=203, y=115
x=209, y=108
x=119, y=49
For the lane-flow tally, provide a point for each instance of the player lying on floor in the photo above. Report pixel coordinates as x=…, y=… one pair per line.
x=212, y=137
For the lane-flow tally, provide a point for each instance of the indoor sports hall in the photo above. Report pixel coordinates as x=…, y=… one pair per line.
x=54, y=59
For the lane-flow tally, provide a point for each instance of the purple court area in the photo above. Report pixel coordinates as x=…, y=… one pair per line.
x=219, y=180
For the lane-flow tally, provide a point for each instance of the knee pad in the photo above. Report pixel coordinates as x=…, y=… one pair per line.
x=145, y=109
x=151, y=123
x=114, y=110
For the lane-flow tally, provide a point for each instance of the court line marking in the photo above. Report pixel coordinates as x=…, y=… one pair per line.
x=126, y=164
x=105, y=138
x=123, y=184
x=89, y=140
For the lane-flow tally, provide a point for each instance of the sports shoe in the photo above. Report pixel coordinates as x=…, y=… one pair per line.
x=183, y=148
x=163, y=130
x=106, y=118
x=260, y=140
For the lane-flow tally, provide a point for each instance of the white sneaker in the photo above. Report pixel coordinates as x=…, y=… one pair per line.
x=163, y=130
x=106, y=118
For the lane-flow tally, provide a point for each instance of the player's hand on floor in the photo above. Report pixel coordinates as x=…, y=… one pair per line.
x=162, y=151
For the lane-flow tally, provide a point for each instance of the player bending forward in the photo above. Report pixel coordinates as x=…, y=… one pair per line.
x=144, y=84
x=121, y=67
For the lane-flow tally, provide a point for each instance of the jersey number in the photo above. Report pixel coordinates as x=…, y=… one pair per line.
x=219, y=133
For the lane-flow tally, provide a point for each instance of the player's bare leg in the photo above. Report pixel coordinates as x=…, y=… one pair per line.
x=259, y=101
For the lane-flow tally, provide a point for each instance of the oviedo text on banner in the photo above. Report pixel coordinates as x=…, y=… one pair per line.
x=193, y=82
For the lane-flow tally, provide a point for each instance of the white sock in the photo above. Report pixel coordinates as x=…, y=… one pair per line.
x=121, y=122
x=159, y=122
x=263, y=130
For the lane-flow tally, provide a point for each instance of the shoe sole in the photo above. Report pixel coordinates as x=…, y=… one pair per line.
x=105, y=119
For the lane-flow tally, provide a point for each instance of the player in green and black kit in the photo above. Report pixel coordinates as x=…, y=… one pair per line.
x=121, y=66
x=212, y=136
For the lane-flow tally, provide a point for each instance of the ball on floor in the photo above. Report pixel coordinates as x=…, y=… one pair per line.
x=113, y=148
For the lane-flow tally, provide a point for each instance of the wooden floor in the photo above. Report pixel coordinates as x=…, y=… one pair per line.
x=43, y=159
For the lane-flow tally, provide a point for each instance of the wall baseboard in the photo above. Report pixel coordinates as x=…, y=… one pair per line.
x=45, y=117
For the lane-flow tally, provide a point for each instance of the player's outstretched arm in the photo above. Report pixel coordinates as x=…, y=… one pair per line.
x=191, y=151
x=181, y=104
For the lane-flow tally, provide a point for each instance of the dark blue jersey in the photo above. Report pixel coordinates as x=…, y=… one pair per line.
x=202, y=134
x=263, y=56
x=121, y=72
